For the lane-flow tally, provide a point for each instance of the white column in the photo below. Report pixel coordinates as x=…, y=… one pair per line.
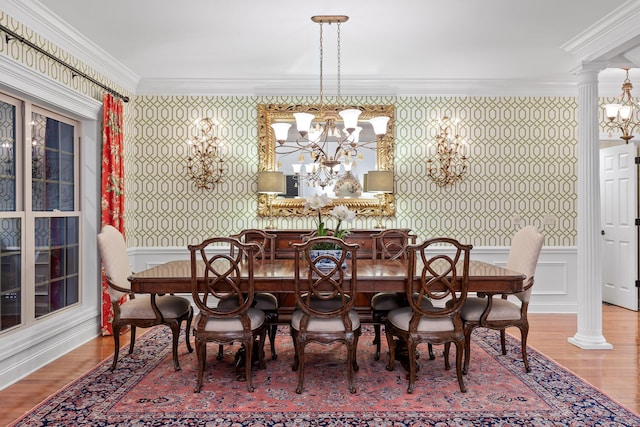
x=589, y=274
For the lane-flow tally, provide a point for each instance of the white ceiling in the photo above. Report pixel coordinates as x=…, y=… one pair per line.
x=273, y=46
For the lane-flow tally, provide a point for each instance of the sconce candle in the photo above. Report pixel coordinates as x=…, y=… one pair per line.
x=205, y=163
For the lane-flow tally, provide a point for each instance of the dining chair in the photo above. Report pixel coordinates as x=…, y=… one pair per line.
x=217, y=276
x=324, y=300
x=264, y=301
x=138, y=310
x=442, y=276
x=500, y=313
x=388, y=244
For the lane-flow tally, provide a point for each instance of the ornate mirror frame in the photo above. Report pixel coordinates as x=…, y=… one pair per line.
x=283, y=207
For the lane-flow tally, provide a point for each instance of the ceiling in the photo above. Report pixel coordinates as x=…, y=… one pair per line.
x=273, y=45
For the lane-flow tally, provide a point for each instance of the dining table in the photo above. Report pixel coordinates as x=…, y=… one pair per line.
x=277, y=276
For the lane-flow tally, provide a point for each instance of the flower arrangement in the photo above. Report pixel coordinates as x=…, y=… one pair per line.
x=340, y=212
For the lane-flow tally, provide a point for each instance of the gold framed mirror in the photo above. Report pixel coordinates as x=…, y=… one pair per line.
x=366, y=204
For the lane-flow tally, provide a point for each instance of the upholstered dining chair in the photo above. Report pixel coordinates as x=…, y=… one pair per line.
x=500, y=313
x=138, y=310
x=217, y=276
x=442, y=276
x=324, y=300
x=264, y=301
x=388, y=244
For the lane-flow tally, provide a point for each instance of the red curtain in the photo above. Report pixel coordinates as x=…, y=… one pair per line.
x=112, y=194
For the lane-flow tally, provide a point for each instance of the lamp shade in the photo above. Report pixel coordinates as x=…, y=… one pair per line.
x=380, y=181
x=271, y=182
x=379, y=124
x=281, y=130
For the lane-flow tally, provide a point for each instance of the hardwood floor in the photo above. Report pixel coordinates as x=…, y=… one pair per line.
x=615, y=372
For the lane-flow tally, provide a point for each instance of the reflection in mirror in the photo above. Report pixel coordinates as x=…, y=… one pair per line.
x=291, y=154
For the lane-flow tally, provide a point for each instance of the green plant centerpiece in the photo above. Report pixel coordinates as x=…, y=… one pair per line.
x=340, y=212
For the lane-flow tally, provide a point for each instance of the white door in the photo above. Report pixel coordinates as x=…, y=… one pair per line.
x=618, y=192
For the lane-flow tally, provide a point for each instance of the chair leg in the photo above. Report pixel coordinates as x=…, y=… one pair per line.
x=201, y=355
x=377, y=340
x=467, y=349
x=351, y=363
x=300, y=361
x=392, y=349
x=459, y=351
x=524, y=331
x=503, y=344
x=273, y=330
x=411, y=348
x=248, y=346
x=133, y=338
x=188, y=330
x=116, y=344
x=220, y=355
x=175, y=332
x=447, y=347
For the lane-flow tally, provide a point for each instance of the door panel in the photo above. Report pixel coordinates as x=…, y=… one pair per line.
x=618, y=192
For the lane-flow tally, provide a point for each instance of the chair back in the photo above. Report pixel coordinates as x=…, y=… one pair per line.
x=113, y=252
x=392, y=244
x=525, y=249
x=218, y=275
x=314, y=285
x=266, y=242
x=438, y=271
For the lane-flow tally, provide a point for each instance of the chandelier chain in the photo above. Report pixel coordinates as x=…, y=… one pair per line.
x=338, y=61
x=321, y=63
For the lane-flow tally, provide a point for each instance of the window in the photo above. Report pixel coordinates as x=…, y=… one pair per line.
x=39, y=215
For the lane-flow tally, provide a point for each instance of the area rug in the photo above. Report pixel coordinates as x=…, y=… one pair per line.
x=144, y=390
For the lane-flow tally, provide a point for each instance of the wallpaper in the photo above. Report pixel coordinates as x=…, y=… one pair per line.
x=522, y=169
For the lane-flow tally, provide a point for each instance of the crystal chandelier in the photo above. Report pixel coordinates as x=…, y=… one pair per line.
x=621, y=113
x=332, y=151
x=205, y=163
x=448, y=156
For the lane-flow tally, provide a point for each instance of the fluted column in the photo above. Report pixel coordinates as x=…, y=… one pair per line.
x=589, y=274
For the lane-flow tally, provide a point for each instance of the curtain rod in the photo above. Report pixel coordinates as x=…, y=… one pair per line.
x=12, y=35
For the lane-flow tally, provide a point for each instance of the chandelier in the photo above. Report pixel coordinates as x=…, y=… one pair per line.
x=331, y=150
x=205, y=163
x=448, y=156
x=621, y=113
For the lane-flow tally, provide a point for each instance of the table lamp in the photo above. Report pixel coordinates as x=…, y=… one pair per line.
x=379, y=182
x=271, y=183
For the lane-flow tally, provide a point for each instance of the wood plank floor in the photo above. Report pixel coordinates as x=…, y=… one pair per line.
x=615, y=372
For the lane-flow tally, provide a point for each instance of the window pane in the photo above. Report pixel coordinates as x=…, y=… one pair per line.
x=10, y=273
x=57, y=263
x=7, y=157
x=53, y=160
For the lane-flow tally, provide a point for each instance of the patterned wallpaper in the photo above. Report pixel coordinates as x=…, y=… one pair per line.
x=523, y=166
x=523, y=161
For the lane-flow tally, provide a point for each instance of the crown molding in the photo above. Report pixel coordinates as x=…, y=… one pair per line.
x=609, y=37
x=42, y=21
x=353, y=86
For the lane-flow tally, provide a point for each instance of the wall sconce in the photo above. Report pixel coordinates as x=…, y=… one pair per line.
x=205, y=163
x=6, y=157
x=379, y=182
x=271, y=183
x=621, y=112
x=448, y=156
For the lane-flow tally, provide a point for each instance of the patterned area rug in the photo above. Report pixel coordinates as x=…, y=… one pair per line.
x=145, y=391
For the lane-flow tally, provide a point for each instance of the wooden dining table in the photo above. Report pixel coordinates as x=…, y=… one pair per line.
x=277, y=276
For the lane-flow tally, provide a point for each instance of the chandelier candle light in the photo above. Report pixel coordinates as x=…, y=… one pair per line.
x=205, y=163
x=622, y=111
x=328, y=146
x=448, y=156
